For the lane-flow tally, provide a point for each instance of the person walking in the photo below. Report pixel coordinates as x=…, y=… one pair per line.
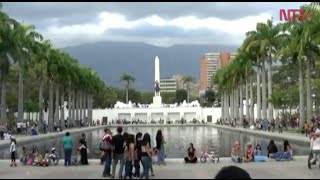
x=315, y=149
x=67, y=146
x=107, y=139
x=13, y=151
x=160, y=146
x=118, y=143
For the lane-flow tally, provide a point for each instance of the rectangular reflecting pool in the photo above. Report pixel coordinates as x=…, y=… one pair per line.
x=177, y=138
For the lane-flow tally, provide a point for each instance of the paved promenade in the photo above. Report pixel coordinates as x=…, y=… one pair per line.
x=175, y=168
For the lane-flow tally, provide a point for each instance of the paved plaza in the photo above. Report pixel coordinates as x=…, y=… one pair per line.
x=174, y=169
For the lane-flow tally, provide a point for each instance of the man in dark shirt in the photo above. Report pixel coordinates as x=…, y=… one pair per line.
x=118, y=143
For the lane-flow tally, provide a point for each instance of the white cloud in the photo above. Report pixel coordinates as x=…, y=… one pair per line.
x=233, y=30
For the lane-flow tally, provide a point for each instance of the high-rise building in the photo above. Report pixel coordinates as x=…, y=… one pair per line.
x=168, y=84
x=208, y=67
x=209, y=64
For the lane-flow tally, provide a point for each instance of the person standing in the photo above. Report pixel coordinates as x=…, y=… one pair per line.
x=107, y=138
x=160, y=146
x=67, y=145
x=55, y=126
x=118, y=143
x=138, y=149
x=129, y=154
x=13, y=151
x=83, y=150
x=146, y=157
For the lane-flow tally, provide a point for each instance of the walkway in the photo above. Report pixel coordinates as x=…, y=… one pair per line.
x=174, y=169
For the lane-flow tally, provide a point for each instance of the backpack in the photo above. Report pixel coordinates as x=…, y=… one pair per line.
x=105, y=146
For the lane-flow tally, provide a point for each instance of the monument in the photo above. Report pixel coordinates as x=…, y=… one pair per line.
x=157, y=100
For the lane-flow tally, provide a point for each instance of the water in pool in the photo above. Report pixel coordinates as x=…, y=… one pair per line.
x=177, y=138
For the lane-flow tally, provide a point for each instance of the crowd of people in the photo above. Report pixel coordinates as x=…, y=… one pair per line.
x=256, y=155
x=270, y=126
x=160, y=121
x=33, y=157
x=131, y=150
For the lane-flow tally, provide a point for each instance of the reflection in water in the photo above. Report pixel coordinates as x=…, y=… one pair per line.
x=177, y=138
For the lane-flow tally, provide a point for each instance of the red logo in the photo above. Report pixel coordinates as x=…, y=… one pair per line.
x=292, y=14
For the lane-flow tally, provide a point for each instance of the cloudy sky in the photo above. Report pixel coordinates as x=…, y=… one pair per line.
x=161, y=24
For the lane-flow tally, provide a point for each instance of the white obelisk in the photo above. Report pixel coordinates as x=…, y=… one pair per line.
x=157, y=100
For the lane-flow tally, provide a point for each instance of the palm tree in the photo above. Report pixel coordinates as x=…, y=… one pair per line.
x=52, y=70
x=39, y=68
x=7, y=42
x=309, y=49
x=289, y=52
x=271, y=39
x=24, y=48
x=187, y=80
x=266, y=37
x=127, y=79
x=250, y=44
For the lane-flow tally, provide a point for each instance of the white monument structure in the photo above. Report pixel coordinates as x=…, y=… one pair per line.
x=157, y=100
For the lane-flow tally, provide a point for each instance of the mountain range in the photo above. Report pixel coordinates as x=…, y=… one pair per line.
x=111, y=59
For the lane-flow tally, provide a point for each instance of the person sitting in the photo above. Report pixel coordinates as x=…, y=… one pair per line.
x=236, y=153
x=286, y=154
x=192, y=158
x=257, y=150
x=37, y=158
x=272, y=149
x=248, y=156
x=23, y=156
x=258, y=157
x=232, y=172
x=46, y=160
x=31, y=156
x=53, y=157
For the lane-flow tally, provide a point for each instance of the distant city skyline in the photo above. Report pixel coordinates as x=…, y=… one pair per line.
x=158, y=23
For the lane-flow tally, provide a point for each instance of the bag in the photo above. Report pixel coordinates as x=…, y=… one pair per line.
x=29, y=162
x=105, y=146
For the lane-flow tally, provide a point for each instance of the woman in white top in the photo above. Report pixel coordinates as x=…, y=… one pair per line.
x=315, y=148
x=13, y=151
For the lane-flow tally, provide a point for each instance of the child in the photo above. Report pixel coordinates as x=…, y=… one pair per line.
x=23, y=156
x=53, y=157
x=236, y=153
x=45, y=161
x=155, y=155
x=248, y=153
x=258, y=157
x=37, y=158
x=13, y=151
x=76, y=159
